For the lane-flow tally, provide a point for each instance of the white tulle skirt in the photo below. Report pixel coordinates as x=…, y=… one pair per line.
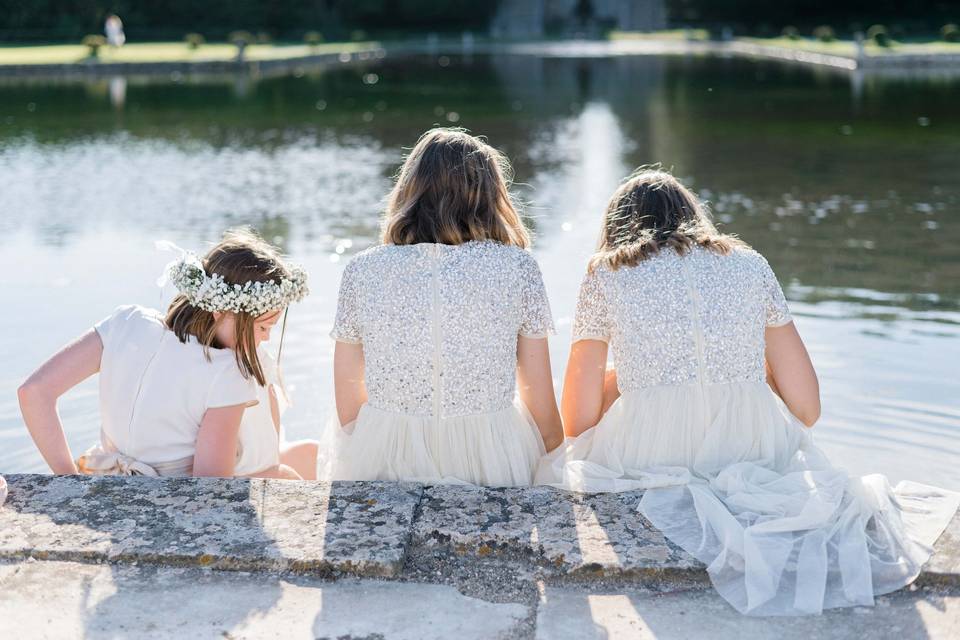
x=736, y=481
x=497, y=449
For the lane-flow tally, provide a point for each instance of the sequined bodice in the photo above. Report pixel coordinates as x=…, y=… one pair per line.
x=439, y=324
x=676, y=319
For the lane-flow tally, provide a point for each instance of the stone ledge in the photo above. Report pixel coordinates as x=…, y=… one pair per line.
x=346, y=527
x=572, y=534
x=351, y=528
x=944, y=565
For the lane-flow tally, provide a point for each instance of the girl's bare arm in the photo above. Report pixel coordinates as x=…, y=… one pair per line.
x=583, y=400
x=791, y=373
x=38, y=397
x=535, y=386
x=348, y=385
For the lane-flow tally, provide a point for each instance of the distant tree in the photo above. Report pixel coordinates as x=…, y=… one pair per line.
x=824, y=33
x=94, y=43
x=583, y=11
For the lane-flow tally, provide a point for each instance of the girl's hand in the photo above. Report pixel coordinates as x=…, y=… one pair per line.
x=610, y=389
x=553, y=441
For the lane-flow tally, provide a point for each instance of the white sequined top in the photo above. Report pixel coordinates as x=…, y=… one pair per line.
x=439, y=324
x=675, y=319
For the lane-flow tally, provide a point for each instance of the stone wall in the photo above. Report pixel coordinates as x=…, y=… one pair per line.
x=517, y=548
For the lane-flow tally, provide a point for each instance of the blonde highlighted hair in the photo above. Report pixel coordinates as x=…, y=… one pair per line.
x=453, y=188
x=649, y=211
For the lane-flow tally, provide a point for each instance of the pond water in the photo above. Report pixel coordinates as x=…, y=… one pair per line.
x=850, y=186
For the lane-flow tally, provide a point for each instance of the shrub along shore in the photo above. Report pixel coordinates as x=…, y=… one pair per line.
x=193, y=54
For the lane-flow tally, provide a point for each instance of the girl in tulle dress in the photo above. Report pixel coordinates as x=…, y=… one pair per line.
x=189, y=392
x=708, y=408
x=441, y=366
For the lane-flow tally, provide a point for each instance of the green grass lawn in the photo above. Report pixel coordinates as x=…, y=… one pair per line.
x=670, y=34
x=849, y=49
x=166, y=52
x=846, y=48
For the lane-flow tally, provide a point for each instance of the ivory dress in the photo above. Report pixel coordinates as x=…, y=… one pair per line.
x=154, y=391
x=731, y=476
x=439, y=326
x=258, y=442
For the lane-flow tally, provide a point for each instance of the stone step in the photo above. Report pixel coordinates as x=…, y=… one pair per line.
x=359, y=528
x=352, y=528
x=59, y=600
x=566, y=613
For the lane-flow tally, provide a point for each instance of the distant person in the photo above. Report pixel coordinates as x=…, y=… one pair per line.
x=441, y=365
x=707, y=410
x=113, y=28
x=188, y=392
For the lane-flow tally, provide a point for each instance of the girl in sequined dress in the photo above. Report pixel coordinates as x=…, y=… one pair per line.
x=441, y=366
x=708, y=409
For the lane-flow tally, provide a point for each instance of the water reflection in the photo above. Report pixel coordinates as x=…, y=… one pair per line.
x=118, y=92
x=848, y=185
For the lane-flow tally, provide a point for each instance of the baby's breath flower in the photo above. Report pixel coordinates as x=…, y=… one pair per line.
x=213, y=293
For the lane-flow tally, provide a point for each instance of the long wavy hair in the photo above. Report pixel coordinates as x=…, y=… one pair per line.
x=453, y=188
x=649, y=211
x=241, y=256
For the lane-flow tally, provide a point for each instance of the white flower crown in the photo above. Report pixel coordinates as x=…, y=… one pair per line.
x=213, y=293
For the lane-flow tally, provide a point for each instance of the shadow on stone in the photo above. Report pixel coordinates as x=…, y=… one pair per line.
x=231, y=524
x=132, y=521
x=570, y=535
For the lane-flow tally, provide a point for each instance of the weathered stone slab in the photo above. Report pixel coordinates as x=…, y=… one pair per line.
x=944, y=564
x=358, y=528
x=61, y=600
x=578, y=534
x=345, y=527
x=584, y=535
x=582, y=614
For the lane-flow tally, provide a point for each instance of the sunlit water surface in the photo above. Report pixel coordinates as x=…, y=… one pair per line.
x=848, y=185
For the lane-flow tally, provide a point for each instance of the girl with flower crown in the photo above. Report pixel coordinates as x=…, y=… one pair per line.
x=441, y=367
x=188, y=393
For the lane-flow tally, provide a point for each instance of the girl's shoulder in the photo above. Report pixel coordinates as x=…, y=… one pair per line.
x=137, y=313
x=750, y=259
x=373, y=256
x=128, y=322
x=386, y=254
x=511, y=255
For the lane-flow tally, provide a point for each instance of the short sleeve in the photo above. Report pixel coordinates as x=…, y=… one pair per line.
x=536, y=321
x=110, y=328
x=775, y=303
x=592, y=318
x=229, y=388
x=346, y=325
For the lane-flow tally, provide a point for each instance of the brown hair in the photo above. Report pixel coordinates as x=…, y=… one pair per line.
x=453, y=188
x=241, y=256
x=651, y=210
